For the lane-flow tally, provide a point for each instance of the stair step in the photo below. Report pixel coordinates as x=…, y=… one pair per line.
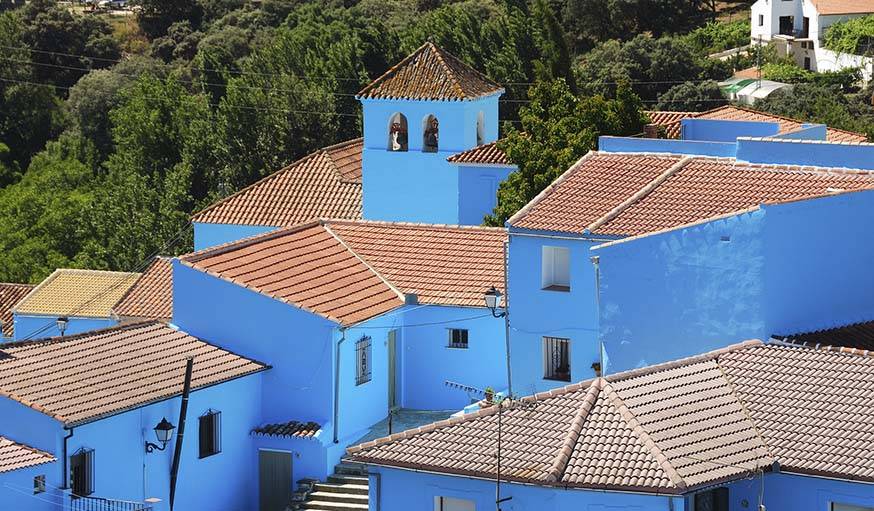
x=347, y=479
x=327, y=496
x=350, y=469
x=333, y=506
x=355, y=489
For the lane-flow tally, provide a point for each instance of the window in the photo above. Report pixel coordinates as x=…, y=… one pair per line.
x=557, y=359
x=430, y=134
x=210, y=432
x=712, y=500
x=451, y=504
x=82, y=472
x=555, y=269
x=362, y=358
x=761, y=20
x=480, y=128
x=397, y=133
x=807, y=63
x=457, y=338
x=39, y=484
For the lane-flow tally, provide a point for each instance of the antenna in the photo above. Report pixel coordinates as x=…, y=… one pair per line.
x=511, y=404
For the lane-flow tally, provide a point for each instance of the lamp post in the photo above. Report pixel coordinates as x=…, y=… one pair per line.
x=493, y=299
x=163, y=432
x=62, y=324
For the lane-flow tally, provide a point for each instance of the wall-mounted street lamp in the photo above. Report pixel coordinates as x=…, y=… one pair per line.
x=163, y=431
x=62, y=324
x=493, y=299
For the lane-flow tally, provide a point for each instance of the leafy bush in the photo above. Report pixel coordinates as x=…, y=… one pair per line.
x=719, y=36
x=855, y=36
x=692, y=97
x=786, y=73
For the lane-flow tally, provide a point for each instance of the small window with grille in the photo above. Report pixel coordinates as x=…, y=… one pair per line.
x=457, y=338
x=39, y=484
x=82, y=472
x=210, y=433
x=556, y=359
x=363, y=360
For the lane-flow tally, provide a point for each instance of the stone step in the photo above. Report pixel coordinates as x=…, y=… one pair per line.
x=347, y=479
x=327, y=496
x=350, y=469
x=333, y=506
x=355, y=489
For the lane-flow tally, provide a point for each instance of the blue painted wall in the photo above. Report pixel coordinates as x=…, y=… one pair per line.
x=16, y=489
x=402, y=490
x=785, y=491
x=663, y=145
x=39, y=327
x=795, y=152
x=535, y=312
x=210, y=235
x=478, y=191
x=716, y=130
x=413, y=185
x=780, y=269
x=807, y=132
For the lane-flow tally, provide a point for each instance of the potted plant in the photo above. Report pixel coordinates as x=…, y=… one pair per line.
x=490, y=395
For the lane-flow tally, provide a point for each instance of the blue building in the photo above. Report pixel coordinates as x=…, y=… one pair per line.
x=418, y=117
x=740, y=428
x=73, y=300
x=356, y=318
x=631, y=187
x=85, y=408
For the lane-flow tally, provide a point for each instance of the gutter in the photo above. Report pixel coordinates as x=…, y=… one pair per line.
x=337, y=385
x=64, y=479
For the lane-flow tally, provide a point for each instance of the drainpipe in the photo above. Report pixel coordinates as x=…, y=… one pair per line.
x=64, y=479
x=596, y=262
x=183, y=412
x=337, y=385
x=507, y=317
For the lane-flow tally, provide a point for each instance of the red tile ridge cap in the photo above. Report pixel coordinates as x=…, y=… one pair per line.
x=777, y=116
x=457, y=86
x=245, y=242
x=552, y=186
x=746, y=412
x=559, y=464
x=778, y=341
x=805, y=141
x=411, y=225
x=643, y=435
x=401, y=296
x=640, y=194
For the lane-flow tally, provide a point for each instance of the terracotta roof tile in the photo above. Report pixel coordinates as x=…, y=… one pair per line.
x=590, y=189
x=488, y=154
x=667, y=428
x=81, y=378
x=151, y=296
x=326, y=183
x=10, y=295
x=671, y=121
x=14, y=456
x=707, y=187
x=445, y=265
x=289, y=429
x=430, y=73
x=306, y=266
x=858, y=335
x=833, y=7
x=82, y=293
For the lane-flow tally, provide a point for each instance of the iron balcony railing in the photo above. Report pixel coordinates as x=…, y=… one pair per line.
x=100, y=504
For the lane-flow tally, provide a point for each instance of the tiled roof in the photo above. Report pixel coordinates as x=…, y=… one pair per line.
x=707, y=187
x=305, y=266
x=632, y=194
x=14, y=456
x=152, y=295
x=81, y=293
x=440, y=264
x=833, y=7
x=289, y=429
x=671, y=121
x=485, y=154
x=326, y=183
x=10, y=295
x=81, y=378
x=430, y=73
x=858, y=335
x=590, y=189
x=668, y=428
x=349, y=271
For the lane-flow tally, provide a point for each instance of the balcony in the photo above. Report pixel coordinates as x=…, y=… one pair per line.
x=100, y=504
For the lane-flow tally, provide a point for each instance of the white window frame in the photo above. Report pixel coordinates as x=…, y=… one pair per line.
x=457, y=345
x=555, y=268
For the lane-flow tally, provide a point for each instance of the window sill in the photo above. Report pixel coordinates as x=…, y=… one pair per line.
x=360, y=383
x=210, y=455
x=560, y=289
x=457, y=347
x=556, y=378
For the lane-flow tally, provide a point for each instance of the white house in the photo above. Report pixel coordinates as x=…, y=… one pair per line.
x=797, y=27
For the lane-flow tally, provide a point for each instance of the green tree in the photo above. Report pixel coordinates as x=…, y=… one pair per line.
x=156, y=16
x=692, y=97
x=557, y=128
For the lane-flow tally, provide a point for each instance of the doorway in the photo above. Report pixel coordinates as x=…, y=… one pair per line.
x=392, y=370
x=274, y=476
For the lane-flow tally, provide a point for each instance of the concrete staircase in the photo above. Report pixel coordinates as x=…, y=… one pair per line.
x=346, y=490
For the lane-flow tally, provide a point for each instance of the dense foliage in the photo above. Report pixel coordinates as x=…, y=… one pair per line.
x=854, y=36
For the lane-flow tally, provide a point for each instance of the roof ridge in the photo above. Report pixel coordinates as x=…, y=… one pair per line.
x=559, y=464
x=551, y=187
x=828, y=348
x=17, y=284
x=411, y=225
x=342, y=242
x=446, y=67
x=743, y=407
x=680, y=362
x=142, y=275
x=245, y=242
x=390, y=71
x=640, y=194
x=72, y=337
x=641, y=433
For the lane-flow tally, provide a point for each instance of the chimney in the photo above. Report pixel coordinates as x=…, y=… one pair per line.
x=651, y=131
